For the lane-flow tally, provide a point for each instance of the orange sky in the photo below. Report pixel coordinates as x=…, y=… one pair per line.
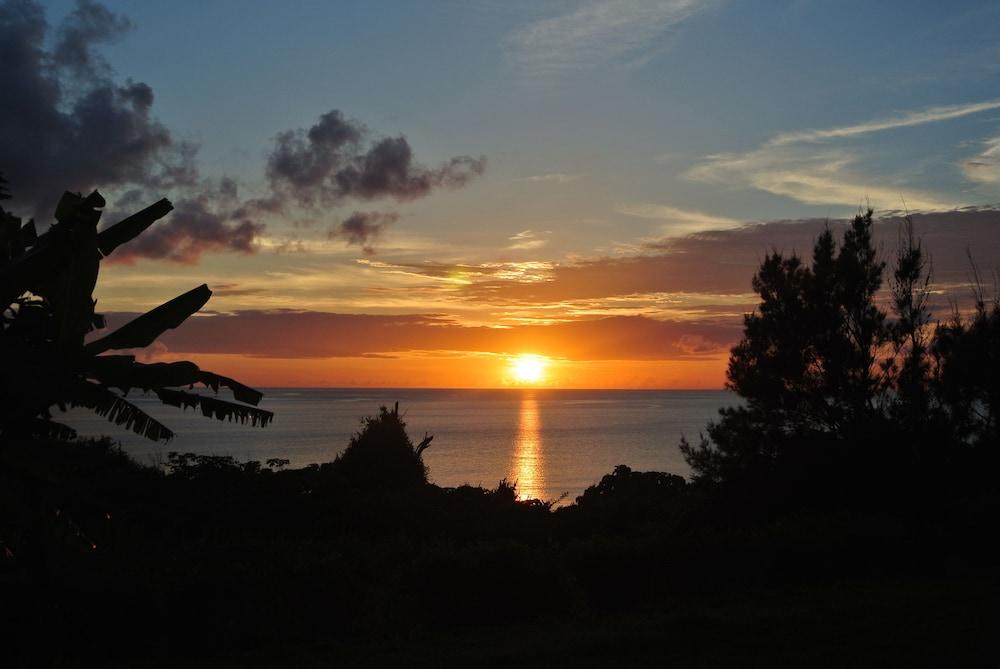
x=664, y=317
x=457, y=370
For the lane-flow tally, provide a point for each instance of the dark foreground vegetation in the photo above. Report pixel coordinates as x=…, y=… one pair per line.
x=845, y=514
x=105, y=561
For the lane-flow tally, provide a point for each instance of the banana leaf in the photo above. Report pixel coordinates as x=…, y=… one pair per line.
x=241, y=392
x=128, y=229
x=119, y=411
x=123, y=372
x=49, y=429
x=144, y=330
x=214, y=407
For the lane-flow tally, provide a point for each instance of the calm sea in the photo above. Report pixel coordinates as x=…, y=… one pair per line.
x=549, y=441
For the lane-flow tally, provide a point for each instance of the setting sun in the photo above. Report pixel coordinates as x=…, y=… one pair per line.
x=529, y=368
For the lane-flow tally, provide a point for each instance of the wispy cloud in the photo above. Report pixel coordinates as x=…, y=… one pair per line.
x=678, y=221
x=604, y=32
x=929, y=115
x=789, y=164
x=527, y=240
x=555, y=177
x=984, y=167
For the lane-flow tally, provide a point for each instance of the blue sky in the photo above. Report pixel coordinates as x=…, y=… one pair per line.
x=612, y=131
x=628, y=95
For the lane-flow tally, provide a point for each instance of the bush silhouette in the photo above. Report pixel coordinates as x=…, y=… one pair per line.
x=633, y=495
x=381, y=455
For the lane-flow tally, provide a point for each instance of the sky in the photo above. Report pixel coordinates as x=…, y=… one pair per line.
x=415, y=193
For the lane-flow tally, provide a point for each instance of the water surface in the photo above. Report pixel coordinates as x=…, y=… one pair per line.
x=549, y=441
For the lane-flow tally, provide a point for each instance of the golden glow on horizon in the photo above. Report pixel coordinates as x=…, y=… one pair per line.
x=529, y=369
x=455, y=369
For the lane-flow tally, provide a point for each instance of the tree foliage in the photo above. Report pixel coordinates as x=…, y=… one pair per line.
x=46, y=286
x=381, y=456
x=831, y=366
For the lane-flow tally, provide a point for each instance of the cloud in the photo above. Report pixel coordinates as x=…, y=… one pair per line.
x=310, y=334
x=465, y=273
x=985, y=166
x=722, y=262
x=199, y=224
x=605, y=32
x=235, y=290
x=363, y=229
x=929, y=115
x=823, y=178
x=527, y=240
x=789, y=164
x=678, y=221
x=337, y=159
x=556, y=178
x=65, y=123
x=89, y=23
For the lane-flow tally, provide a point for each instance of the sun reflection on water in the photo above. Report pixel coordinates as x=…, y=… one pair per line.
x=527, y=467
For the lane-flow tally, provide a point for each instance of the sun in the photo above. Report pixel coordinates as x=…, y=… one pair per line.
x=529, y=368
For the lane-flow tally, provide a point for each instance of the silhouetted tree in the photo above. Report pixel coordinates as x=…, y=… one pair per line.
x=966, y=384
x=821, y=365
x=381, y=455
x=46, y=286
x=911, y=363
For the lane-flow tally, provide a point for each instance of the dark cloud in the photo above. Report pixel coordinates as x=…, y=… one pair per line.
x=198, y=224
x=88, y=24
x=310, y=334
x=64, y=123
x=338, y=158
x=363, y=229
x=67, y=124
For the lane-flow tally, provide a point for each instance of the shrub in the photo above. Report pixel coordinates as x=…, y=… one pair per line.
x=381, y=455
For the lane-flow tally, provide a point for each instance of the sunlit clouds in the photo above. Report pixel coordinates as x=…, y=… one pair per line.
x=420, y=195
x=984, y=167
x=809, y=166
x=677, y=221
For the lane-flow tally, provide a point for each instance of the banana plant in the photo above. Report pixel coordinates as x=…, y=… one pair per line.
x=46, y=289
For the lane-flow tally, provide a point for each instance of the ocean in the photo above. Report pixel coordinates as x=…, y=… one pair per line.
x=549, y=441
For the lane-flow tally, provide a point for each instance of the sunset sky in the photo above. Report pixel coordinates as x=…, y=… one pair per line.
x=415, y=193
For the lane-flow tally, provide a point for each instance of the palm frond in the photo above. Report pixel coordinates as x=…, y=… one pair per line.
x=213, y=407
x=120, y=411
x=50, y=429
x=241, y=392
x=123, y=372
x=144, y=330
x=128, y=229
